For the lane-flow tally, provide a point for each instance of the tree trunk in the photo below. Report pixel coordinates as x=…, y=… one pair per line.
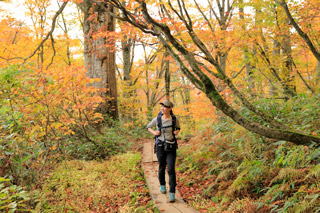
x=99, y=53
x=318, y=73
x=129, y=93
x=297, y=138
x=276, y=57
x=127, y=45
x=288, y=76
x=167, y=74
x=248, y=66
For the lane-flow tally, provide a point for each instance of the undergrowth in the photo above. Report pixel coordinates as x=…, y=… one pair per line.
x=228, y=169
x=249, y=175
x=115, y=185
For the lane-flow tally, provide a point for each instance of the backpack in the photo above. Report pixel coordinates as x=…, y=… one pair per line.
x=159, y=125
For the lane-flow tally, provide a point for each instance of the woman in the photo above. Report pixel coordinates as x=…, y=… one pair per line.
x=168, y=127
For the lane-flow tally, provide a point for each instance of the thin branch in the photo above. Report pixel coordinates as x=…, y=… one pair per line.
x=54, y=52
x=238, y=73
x=204, y=16
x=45, y=39
x=298, y=29
x=214, y=12
x=273, y=71
x=187, y=14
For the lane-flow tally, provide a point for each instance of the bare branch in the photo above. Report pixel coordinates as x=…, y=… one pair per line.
x=303, y=35
x=204, y=16
x=54, y=52
x=47, y=36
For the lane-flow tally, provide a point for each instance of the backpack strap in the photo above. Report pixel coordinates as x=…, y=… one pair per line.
x=159, y=125
x=174, y=120
x=159, y=121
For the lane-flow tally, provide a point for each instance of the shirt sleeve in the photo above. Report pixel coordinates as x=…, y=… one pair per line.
x=152, y=124
x=177, y=124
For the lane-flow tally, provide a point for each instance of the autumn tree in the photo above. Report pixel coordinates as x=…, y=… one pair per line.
x=99, y=51
x=307, y=32
x=198, y=60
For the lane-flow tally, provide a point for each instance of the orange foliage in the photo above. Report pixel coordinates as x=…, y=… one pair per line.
x=13, y=39
x=61, y=102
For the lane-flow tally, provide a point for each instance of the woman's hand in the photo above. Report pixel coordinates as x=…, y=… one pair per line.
x=156, y=133
x=176, y=132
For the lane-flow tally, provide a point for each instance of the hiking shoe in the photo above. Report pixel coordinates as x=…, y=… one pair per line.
x=163, y=189
x=172, y=197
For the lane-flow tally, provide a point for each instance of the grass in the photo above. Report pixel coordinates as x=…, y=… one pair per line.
x=114, y=185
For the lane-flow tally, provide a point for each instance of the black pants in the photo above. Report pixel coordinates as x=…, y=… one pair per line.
x=167, y=158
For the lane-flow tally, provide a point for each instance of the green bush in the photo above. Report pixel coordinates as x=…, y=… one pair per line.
x=100, y=146
x=13, y=198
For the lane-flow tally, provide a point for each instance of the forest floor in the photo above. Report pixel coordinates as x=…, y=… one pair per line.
x=126, y=182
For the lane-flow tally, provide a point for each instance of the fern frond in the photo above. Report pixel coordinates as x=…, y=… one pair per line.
x=289, y=175
x=225, y=174
x=242, y=205
x=275, y=192
x=240, y=183
x=308, y=204
x=314, y=172
x=226, y=164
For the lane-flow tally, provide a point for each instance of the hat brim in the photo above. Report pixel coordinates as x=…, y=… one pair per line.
x=164, y=105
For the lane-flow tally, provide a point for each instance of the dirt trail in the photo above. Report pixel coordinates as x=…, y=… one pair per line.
x=150, y=166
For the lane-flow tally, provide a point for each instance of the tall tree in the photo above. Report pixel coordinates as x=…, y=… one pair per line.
x=167, y=75
x=302, y=34
x=154, y=75
x=248, y=64
x=318, y=74
x=197, y=64
x=276, y=57
x=99, y=51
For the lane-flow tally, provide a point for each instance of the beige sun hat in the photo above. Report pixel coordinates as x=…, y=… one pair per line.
x=167, y=103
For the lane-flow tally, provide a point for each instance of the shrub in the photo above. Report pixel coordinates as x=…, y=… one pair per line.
x=43, y=115
x=14, y=198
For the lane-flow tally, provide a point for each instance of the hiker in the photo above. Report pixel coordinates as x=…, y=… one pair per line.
x=166, y=145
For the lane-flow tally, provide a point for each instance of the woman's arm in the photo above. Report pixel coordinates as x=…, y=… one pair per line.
x=156, y=133
x=176, y=132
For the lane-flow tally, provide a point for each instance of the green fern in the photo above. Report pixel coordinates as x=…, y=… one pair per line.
x=227, y=164
x=314, y=172
x=225, y=174
x=289, y=175
x=239, y=184
x=275, y=192
x=242, y=205
x=308, y=204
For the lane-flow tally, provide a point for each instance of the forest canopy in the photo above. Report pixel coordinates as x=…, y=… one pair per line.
x=208, y=43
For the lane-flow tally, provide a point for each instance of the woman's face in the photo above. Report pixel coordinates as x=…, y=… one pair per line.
x=165, y=110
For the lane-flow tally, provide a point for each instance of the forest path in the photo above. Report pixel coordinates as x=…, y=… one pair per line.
x=150, y=167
